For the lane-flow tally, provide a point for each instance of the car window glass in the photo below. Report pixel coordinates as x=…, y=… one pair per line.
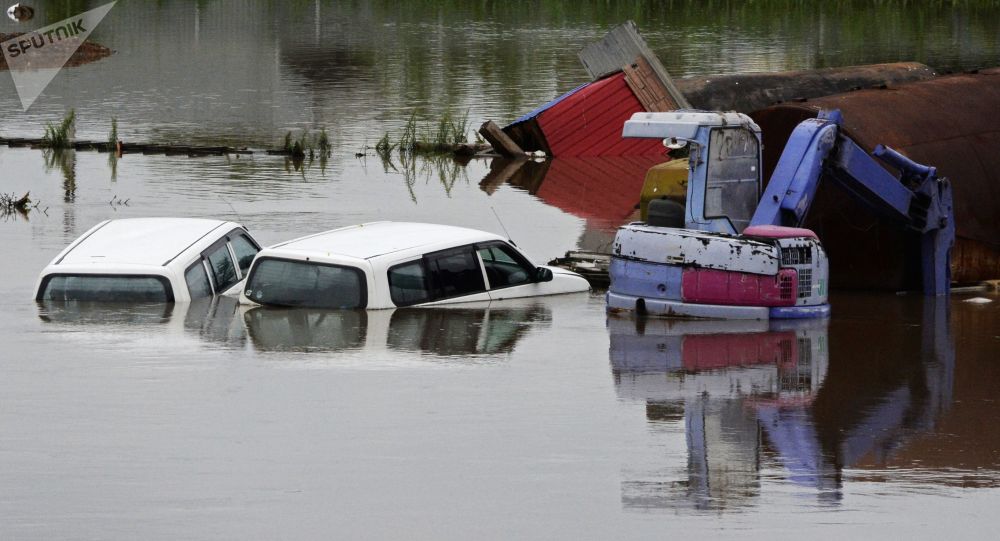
x=280, y=282
x=197, y=281
x=503, y=267
x=106, y=289
x=245, y=252
x=407, y=284
x=455, y=273
x=223, y=269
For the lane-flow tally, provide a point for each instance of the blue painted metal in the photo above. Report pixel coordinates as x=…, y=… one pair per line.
x=918, y=199
x=800, y=312
x=905, y=165
x=790, y=192
x=861, y=175
x=646, y=280
x=694, y=214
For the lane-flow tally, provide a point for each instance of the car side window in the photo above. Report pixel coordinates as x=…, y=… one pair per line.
x=504, y=266
x=197, y=281
x=245, y=252
x=454, y=272
x=223, y=269
x=408, y=284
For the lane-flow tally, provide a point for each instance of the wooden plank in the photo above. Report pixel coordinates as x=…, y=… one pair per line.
x=619, y=48
x=500, y=141
x=647, y=88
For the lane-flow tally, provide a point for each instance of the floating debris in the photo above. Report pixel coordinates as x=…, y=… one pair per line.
x=20, y=13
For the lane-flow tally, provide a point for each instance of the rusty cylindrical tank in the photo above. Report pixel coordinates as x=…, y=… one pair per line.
x=745, y=92
x=948, y=122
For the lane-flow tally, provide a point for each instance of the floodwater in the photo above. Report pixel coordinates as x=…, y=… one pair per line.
x=540, y=418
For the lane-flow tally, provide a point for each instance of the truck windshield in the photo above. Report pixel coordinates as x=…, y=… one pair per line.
x=105, y=288
x=733, y=172
x=283, y=282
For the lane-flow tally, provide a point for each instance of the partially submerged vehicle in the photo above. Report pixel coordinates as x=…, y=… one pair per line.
x=735, y=249
x=150, y=260
x=393, y=264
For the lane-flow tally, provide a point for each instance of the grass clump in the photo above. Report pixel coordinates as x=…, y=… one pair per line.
x=306, y=145
x=113, y=134
x=60, y=136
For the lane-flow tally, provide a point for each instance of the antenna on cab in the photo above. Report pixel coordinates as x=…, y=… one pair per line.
x=502, y=226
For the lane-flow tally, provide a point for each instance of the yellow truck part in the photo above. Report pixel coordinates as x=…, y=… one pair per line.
x=664, y=181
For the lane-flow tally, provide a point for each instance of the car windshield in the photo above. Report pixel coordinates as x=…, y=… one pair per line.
x=282, y=282
x=83, y=287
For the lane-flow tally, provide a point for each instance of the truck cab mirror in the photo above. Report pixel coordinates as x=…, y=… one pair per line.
x=543, y=274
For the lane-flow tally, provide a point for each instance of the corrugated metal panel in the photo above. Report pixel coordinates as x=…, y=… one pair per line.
x=544, y=107
x=949, y=123
x=589, y=122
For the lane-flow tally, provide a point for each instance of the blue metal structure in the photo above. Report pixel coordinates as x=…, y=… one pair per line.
x=918, y=199
x=725, y=163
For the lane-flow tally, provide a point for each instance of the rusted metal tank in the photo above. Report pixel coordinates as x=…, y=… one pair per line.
x=947, y=122
x=746, y=92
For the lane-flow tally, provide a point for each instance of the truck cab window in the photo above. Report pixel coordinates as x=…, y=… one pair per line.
x=732, y=187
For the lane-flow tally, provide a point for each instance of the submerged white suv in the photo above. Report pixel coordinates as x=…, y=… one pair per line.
x=150, y=260
x=393, y=264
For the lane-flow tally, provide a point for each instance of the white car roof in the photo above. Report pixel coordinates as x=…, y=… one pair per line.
x=370, y=240
x=141, y=241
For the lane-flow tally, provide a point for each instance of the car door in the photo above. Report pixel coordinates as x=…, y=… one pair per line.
x=510, y=274
x=444, y=277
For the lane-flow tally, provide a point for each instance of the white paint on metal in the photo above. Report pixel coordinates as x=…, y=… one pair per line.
x=682, y=124
x=695, y=248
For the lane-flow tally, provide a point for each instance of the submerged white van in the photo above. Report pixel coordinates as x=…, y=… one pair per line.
x=150, y=260
x=394, y=264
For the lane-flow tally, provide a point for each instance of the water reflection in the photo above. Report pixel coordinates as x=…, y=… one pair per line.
x=65, y=161
x=604, y=191
x=758, y=400
x=214, y=321
x=294, y=329
x=454, y=332
x=446, y=332
x=82, y=314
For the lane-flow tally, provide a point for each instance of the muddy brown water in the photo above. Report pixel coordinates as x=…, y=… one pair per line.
x=540, y=418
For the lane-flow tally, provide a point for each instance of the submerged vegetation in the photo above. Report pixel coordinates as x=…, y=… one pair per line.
x=113, y=134
x=450, y=135
x=60, y=136
x=304, y=145
x=12, y=206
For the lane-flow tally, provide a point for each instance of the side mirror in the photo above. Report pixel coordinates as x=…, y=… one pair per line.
x=543, y=274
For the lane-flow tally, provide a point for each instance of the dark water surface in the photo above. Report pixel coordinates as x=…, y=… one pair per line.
x=533, y=419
